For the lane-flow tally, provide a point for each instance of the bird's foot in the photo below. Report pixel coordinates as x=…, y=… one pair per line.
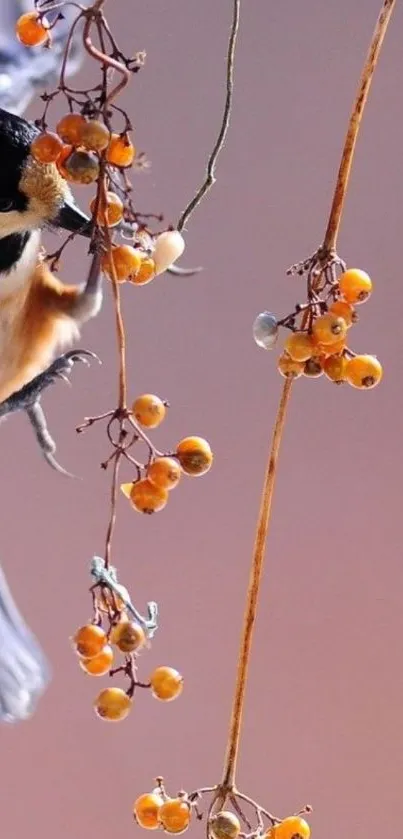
x=28, y=399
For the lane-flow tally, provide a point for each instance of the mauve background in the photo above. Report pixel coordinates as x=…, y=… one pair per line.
x=323, y=721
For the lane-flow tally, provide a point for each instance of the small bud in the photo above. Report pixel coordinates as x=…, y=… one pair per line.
x=265, y=330
x=169, y=246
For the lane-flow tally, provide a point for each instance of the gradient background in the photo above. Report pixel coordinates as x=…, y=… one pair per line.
x=323, y=721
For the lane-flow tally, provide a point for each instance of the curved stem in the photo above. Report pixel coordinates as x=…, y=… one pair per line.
x=354, y=125
x=230, y=763
x=253, y=590
x=211, y=163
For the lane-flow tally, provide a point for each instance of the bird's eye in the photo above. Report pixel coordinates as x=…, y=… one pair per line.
x=6, y=204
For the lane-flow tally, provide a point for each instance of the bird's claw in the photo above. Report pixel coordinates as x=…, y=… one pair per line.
x=63, y=365
x=28, y=399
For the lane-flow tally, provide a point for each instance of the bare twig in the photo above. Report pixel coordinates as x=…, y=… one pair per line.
x=253, y=592
x=354, y=125
x=211, y=164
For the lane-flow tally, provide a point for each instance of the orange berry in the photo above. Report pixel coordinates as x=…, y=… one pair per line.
x=364, y=371
x=46, y=147
x=147, y=498
x=293, y=828
x=69, y=128
x=166, y=683
x=113, y=209
x=120, y=151
x=100, y=664
x=194, y=455
x=149, y=410
x=164, y=472
x=332, y=349
x=90, y=640
x=146, y=810
x=126, y=261
x=355, y=285
x=94, y=135
x=146, y=272
x=345, y=311
x=329, y=328
x=289, y=368
x=60, y=162
x=313, y=368
x=112, y=704
x=299, y=346
x=31, y=30
x=334, y=368
x=127, y=636
x=175, y=815
x=224, y=825
x=82, y=167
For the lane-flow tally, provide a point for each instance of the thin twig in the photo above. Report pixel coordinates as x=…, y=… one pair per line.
x=354, y=125
x=230, y=763
x=211, y=163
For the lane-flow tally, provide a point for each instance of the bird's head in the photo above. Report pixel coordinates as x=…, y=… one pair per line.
x=32, y=194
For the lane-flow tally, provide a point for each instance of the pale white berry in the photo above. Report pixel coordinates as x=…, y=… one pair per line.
x=265, y=330
x=169, y=246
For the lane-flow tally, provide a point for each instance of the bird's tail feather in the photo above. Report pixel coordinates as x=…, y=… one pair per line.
x=24, y=670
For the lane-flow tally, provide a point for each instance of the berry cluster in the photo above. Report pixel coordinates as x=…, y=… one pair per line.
x=156, y=809
x=150, y=489
x=162, y=473
x=317, y=344
x=77, y=150
x=112, y=633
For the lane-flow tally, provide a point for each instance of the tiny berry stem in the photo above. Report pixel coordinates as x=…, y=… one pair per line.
x=343, y=176
x=230, y=763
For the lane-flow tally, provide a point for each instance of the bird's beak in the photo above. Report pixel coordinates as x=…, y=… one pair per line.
x=71, y=218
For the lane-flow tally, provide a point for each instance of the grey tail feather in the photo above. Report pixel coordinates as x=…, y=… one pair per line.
x=24, y=670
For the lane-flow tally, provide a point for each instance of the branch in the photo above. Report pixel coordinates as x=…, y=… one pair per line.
x=230, y=763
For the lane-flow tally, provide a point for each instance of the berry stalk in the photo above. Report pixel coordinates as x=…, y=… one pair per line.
x=228, y=782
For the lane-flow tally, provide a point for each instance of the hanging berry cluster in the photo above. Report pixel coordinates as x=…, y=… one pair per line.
x=113, y=635
x=156, y=809
x=92, y=144
x=319, y=328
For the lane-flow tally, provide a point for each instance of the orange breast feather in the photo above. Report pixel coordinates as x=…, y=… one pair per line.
x=34, y=323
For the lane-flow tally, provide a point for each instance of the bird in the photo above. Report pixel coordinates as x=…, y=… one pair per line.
x=39, y=314
x=25, y=672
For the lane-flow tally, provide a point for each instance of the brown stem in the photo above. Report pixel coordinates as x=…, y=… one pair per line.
x=354, y=125
x=112, y=520
x=253, y=591
x=211, y=163
x=230, y=763
x=120, y=327
x=105, y=60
